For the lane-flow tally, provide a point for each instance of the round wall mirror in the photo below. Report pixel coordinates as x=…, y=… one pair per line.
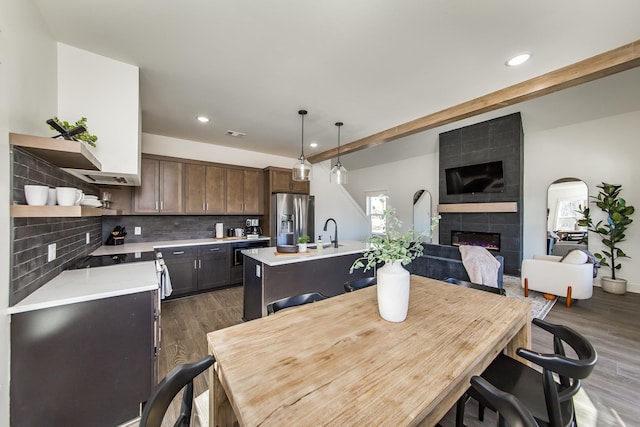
x=422, y=213
x=565, y=197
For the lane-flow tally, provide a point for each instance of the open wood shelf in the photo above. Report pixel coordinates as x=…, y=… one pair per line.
x=26, y=211
x=59, y=152
x=478, y=207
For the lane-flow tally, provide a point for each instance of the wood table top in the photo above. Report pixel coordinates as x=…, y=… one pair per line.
x=337, y=362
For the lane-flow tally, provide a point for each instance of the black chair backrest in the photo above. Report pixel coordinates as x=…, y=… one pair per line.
x=293, y=301
x=354, y=285
x=569, y=370
x=161, y=396
x=508, y=406
x=485, y=288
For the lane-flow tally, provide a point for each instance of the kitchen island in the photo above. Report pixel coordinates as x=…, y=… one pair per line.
x=270, y=276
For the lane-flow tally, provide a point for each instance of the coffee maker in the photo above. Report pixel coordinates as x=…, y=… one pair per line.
x=252, y=229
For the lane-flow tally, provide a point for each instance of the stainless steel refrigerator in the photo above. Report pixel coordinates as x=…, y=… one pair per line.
x=291, y=216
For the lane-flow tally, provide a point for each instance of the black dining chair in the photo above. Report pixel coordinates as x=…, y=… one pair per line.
x=510, y=409
x=180, y=377
x=354, y=285
x=294, y=301
x=550, y=402
x=464, y=283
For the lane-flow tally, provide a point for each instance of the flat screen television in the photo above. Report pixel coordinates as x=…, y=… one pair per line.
x=478, y=178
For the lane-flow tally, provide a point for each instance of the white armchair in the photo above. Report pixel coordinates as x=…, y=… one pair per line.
x=545, y=273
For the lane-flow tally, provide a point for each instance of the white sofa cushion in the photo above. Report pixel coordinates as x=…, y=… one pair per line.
x=575, y=256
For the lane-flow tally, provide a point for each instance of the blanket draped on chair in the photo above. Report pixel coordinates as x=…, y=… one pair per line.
x=481, y=266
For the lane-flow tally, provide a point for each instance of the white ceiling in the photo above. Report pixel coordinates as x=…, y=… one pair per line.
x=373, y=64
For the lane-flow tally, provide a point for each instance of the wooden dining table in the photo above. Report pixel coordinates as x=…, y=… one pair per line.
x=337, y=362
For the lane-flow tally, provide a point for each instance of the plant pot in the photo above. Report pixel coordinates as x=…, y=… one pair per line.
x=302, y=247
x=614, y=286
x=393, y=291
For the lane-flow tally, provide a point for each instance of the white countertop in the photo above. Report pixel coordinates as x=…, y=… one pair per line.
x=270, y=257
x=87, y=284
x=129, y=248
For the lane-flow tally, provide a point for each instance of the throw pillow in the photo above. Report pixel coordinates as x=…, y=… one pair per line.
x=575, y=256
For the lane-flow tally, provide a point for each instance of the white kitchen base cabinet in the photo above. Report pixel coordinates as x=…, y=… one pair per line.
x=85, y=364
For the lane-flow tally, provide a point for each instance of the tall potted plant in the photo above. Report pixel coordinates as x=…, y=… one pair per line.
x=612, y=231
x=394, y=249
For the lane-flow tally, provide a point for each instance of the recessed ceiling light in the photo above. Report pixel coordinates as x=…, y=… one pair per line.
x=313, y=145
x=519, y=59
x=203, y=119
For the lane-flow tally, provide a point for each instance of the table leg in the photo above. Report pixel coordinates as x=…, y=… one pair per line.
x=521, y=339
x=220, y=411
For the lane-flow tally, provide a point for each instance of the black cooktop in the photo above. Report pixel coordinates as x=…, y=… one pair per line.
x=105, y=260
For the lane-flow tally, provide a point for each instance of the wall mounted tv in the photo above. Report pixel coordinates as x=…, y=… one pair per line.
x=478, y=178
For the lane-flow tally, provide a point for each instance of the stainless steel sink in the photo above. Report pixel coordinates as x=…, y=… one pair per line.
x=324, y=245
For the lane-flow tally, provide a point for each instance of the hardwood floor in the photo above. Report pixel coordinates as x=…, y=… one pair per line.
x=609, y=397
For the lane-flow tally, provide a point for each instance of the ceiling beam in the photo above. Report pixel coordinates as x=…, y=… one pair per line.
x=614, y=61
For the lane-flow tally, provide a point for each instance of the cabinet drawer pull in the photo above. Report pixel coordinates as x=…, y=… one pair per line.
x=214, y=249
x=199, y=264
x=178, y=252
x=195, y=264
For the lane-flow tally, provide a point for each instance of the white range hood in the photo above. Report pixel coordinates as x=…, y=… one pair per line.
x=106, y=92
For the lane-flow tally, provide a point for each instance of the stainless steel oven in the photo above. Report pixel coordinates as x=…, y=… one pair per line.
x=237, y=248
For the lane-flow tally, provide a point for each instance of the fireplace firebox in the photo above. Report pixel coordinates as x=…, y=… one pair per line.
x=490, y=241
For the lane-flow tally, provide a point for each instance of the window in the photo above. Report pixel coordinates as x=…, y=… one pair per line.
x=567, y=213
x=376, y=205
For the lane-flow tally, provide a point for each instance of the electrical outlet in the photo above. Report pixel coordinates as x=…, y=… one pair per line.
x=51, y=252
x=137, y=231
x=88, y=239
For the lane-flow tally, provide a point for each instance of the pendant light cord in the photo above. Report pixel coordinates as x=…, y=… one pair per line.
x=339, y=125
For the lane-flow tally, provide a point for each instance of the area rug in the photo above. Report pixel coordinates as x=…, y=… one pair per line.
x=540, y=306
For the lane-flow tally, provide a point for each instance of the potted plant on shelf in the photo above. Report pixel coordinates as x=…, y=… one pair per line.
x=394, y=249
x=612, y=231
x=77, y=131
x=302, y=243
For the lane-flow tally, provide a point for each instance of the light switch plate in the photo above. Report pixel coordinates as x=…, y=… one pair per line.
x=137, y=231
x=51, y=255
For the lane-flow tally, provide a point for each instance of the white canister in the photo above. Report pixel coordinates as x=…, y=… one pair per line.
x=219, y=230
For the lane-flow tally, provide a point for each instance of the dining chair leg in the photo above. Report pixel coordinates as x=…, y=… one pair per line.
x=480, y=412
x=460, y=410
x=568, y=303
x=526, y=287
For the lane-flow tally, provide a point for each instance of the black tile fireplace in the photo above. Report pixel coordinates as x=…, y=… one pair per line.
x=489, y=241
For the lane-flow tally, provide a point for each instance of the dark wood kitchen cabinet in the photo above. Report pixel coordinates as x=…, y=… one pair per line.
x=279, y=180
x=90, y=363
x=197, y=268
x=244, y=191
x=161, y=187
x=205, y=189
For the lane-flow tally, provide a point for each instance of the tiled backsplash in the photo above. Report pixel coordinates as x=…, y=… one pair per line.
x=31, y=236
x=162, y=227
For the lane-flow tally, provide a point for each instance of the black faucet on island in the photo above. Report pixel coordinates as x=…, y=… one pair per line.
x=335, y=227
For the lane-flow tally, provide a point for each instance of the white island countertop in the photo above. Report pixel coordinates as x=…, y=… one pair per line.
x=130, y=248
x=269, y=256
x=87, y=284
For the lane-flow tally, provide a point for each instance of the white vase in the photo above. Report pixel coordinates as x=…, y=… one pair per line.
x=393, y=291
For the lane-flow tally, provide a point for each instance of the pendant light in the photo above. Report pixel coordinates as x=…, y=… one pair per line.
x=338, y=172
x=302, y=169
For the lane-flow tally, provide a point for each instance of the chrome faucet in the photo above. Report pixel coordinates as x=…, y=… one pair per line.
x=335, y=227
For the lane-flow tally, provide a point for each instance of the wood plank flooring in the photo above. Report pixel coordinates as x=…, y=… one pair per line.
x=610, y=396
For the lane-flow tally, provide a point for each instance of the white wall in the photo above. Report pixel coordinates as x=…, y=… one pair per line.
x=594, y=151
x=333, y=201
x=401, y=180
x=27, y=99
x=174, y=147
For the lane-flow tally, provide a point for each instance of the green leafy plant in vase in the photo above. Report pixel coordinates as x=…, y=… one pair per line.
x=302, y=243
x=611, y=230
x=394, y=249
x=77, y=131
